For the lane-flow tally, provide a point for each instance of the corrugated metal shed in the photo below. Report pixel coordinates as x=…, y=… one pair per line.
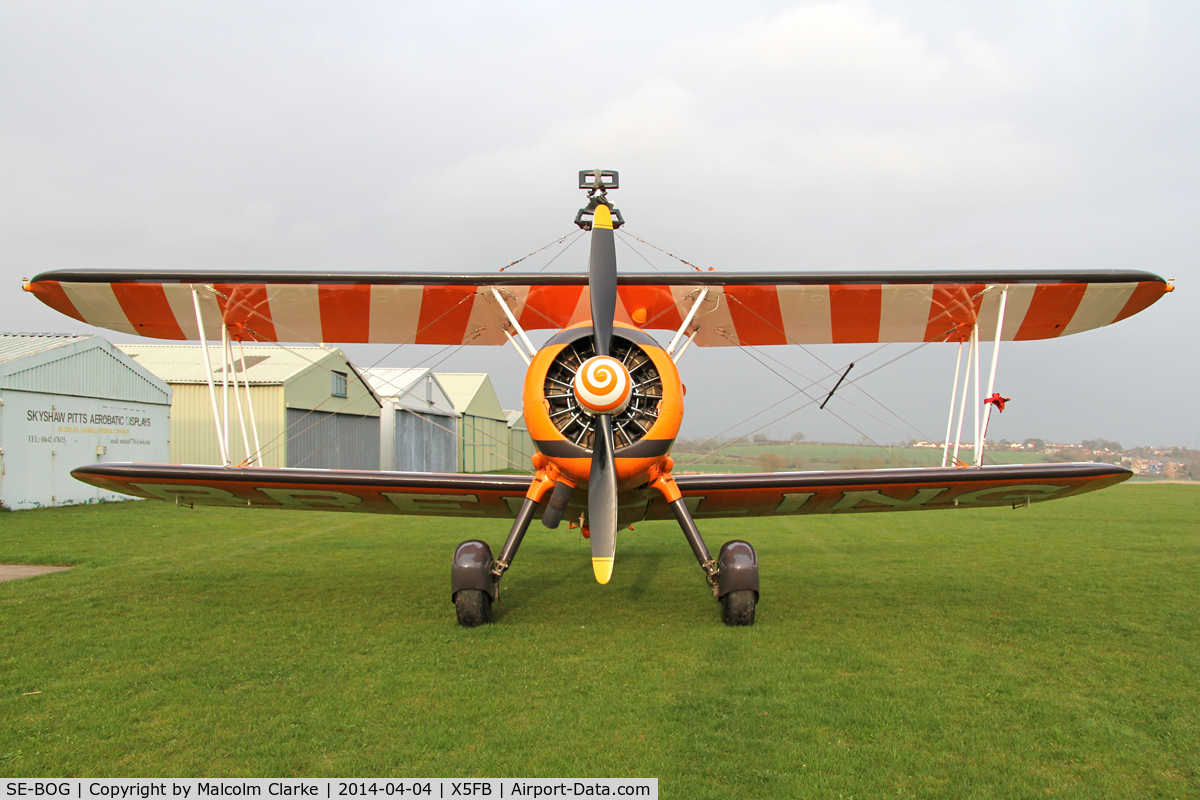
x=413, y=388
x=417, y=424
x=332, y=441
x=184, y=363
x=483, y=427
x=19, y=345
x=472, y=393
x=520, y=443
x=76, y=366
x=68, y=401
x=297, y=406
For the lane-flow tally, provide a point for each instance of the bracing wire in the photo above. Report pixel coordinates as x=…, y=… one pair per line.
x=559, y=240
x=292, y=434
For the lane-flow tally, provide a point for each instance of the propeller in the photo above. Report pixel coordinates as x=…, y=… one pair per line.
x=602, y=481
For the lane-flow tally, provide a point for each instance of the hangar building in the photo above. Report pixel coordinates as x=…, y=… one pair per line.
x=310, y=406
x=67, y=401
x=520, y=443
x=482, y=426
x=417, y=421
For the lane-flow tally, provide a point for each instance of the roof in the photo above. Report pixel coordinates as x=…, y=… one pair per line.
x=516, y=419
x=472, y=393
x=413, y=388
x=20, y=345
x=182, y=363
x=76, y=366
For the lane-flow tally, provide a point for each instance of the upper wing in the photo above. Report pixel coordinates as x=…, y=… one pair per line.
x=741, y=495
x=739, y=309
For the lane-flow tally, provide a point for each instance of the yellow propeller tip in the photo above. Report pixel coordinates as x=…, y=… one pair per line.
x=603, y=569
x=601, y=217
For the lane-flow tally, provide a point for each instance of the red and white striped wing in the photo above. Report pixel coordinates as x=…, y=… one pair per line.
x=740, y=309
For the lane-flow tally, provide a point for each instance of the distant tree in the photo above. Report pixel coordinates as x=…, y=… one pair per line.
x=798, y=436
x=1069, y=454
x=771, y=462
x=759, y=437
x=1036, y=445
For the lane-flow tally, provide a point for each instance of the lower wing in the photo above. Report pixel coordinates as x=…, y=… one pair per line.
x=501, y=496
x=783, y=493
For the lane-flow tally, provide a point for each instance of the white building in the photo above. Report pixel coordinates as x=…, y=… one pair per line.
x=417, y=422
x=69, y=401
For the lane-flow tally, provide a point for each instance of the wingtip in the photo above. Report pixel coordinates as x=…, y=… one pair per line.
x=603, y=568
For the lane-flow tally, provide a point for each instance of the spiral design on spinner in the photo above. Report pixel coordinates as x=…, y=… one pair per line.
x=602, y=385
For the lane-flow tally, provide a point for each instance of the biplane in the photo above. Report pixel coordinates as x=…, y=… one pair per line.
x=602, y=398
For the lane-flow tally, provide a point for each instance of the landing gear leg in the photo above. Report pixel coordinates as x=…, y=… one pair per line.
x=513, y=542
x=475, y=575
x=684, y=517
x=733, y=576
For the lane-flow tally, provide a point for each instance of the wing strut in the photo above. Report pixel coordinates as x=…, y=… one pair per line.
x=686, y=322
x=981, y=440
x=950, y=417
x=962, y=403
x=530, y=351
x=249, y=405
x=208, y=372
x=230, y=368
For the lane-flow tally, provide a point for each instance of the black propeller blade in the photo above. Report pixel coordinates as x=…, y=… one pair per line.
x=602, y=482
x=602, y=279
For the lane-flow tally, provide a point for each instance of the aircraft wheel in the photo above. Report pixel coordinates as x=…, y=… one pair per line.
x=737, y=608
x=474, y=607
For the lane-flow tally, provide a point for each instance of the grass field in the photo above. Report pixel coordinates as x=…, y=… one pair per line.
x=1051, y=651
x=820, y=456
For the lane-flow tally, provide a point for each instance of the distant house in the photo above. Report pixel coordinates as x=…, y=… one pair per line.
x=310, y=406
x=482, y=426
x=417, y=422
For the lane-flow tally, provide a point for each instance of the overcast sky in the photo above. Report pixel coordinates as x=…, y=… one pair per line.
x=771, y=136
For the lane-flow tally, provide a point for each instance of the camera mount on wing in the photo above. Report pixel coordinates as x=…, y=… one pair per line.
x=598, y=182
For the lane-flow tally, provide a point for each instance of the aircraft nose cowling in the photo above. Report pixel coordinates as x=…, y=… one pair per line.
x=602, y=386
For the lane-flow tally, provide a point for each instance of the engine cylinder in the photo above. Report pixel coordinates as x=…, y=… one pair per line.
x=562, y=420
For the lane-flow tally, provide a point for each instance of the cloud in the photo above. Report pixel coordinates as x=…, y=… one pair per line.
x=769, y=136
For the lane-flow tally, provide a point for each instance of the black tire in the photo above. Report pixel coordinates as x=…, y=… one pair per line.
x=474, y=607
x=737, y=608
